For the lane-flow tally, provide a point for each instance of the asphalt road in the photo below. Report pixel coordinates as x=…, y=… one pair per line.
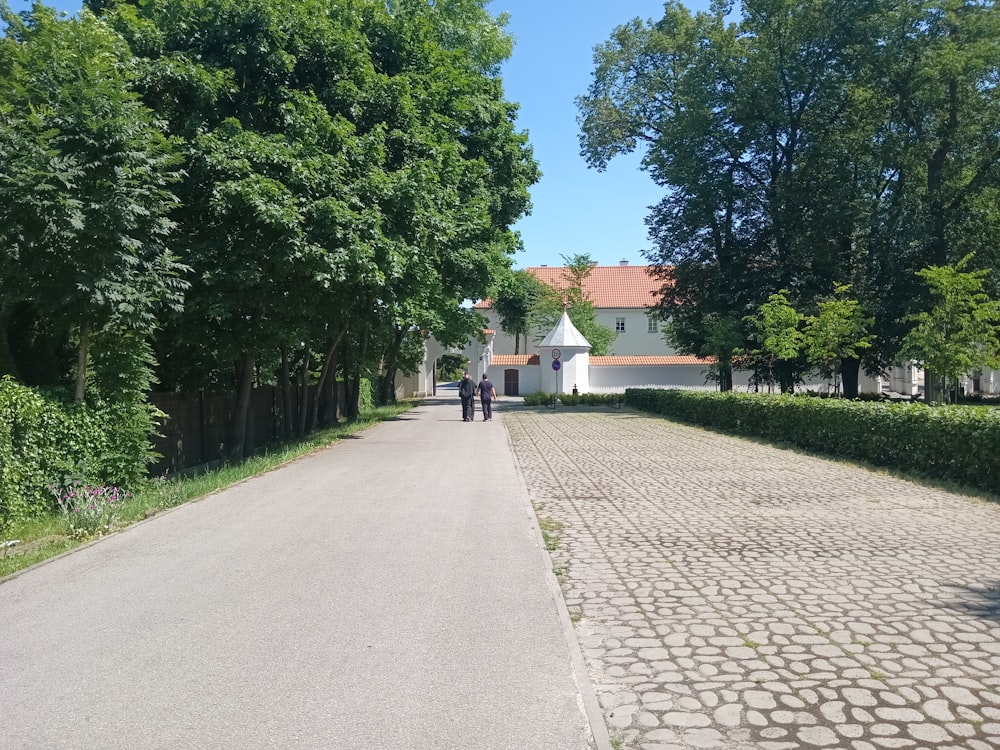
x=388, y=592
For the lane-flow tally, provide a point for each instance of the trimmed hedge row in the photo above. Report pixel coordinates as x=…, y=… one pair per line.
x=580, y=399
x=954, y=443
x=45, y=441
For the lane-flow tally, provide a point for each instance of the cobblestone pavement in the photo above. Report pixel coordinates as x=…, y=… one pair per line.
x=733, y=595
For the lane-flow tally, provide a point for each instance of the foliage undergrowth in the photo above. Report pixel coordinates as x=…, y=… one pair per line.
x=90, y=511
x=42, y=537
x=580, y=399
x=951, y=443
x=46, y=440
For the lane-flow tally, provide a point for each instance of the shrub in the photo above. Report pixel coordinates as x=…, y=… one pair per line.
x=46, y=442
x=958, y=443
x=581, y=399
x=366, y=395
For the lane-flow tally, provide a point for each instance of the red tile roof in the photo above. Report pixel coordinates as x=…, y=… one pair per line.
x=607, y=286
x=639, y=360
x=514, y=360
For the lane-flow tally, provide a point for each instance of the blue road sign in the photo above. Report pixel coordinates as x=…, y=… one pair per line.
x=556, y=364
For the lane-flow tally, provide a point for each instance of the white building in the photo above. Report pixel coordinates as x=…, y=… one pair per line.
x=621, y=295
x=640, y=356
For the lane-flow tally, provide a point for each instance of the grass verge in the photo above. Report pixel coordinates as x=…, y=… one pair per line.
x=44, y=538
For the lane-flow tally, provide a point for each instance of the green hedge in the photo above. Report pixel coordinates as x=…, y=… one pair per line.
x=580, y=399
x=954, y=443
x=46, y=442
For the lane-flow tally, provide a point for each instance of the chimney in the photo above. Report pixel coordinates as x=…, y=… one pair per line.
x=623, y=262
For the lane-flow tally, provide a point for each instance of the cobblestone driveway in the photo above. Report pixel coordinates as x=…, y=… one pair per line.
x=735, y=595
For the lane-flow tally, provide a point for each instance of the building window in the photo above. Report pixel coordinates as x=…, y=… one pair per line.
x=654, y=326
x=619, y=324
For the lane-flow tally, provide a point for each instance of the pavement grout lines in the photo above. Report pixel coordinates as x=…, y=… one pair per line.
x=721, y=541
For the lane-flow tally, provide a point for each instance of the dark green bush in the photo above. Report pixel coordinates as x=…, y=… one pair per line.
x=46, y=443
x=581, y=399
x=956, y=443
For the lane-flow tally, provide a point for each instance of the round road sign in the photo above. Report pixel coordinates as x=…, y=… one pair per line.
x=556, y=364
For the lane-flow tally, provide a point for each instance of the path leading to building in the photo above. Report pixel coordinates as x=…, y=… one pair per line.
x=388, y=593
x=733, y=595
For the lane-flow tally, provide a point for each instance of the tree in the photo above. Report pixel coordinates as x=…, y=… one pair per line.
x=837, y=335
x=348, y=185
x=717, y=336
x=806, y=143
x=775, y=330
x=516, y=296
x=571, y=298
x=85, y=190
x=735, y=121
x=959, y=333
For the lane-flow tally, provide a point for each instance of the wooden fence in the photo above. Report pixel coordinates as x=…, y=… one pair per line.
x=195, y=431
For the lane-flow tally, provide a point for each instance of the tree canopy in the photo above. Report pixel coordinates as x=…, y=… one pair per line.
x=803, y=144
x=330, y=178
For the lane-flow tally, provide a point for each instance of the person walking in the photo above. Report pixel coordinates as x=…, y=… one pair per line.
x=486, y=395
x=467, y=392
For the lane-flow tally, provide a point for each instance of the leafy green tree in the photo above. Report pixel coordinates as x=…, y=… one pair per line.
x=571, y=297
x=959, y=333
x=741, y=123
x=516, y=297
x=836, y=335
x=85, y=189
x=273, y=198
x=716, y=336
x=775, y=328
x=806, y=143
x=349, y=184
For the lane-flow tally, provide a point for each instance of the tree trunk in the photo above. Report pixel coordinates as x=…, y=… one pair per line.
x=388, y=385
x=935, y=388
x=238, y=422
x=329, y=410
x=937, y=164
x=304, y=397
x=786, y=382
x=849, y=373
x=352, y=386
x=354, y=392
x=286, y=394
x=7, y=364
x=81, y=362
x=328, y=361
x=725, y=375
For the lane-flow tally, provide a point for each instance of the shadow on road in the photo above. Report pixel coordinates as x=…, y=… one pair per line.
x=982, y=600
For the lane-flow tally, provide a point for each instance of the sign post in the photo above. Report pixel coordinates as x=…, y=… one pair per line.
x=556, y=366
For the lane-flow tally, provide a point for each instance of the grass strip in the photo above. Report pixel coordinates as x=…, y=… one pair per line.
x=43, y=538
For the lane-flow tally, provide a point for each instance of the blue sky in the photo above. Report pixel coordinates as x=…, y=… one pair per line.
x=575, y=210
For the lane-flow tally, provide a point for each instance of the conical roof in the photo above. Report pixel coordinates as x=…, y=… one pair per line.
x=565, y=334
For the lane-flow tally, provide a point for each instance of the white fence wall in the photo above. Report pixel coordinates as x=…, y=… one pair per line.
x=615, y=379
x=611, y=379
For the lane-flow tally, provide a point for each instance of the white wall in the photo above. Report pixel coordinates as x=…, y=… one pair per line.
x=636, y=338
x=615, y=379
x=529, y=379
x=606, y=379
x=989, y=381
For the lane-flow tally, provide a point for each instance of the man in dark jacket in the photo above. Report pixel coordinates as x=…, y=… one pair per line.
x=467, y=391
x=486, y=395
